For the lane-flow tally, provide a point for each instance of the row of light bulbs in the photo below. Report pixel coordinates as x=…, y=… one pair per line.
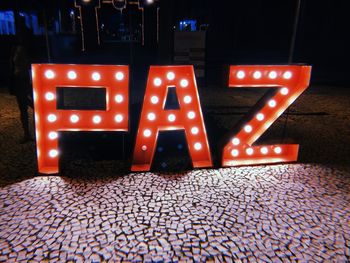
x=241, y=74
x=74, y=118
x=263, y=150
x=96, y=76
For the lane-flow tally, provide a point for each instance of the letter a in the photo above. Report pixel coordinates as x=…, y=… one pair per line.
x=155, y=118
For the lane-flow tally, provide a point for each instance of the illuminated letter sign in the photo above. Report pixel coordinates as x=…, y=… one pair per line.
x=288, y=83
x=155, y=118
x=49, y=120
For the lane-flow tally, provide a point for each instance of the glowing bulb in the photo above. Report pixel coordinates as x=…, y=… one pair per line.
x=72, y=75
x=257, y=75
x=194, y=130
x=273, y=75
x=171, y=117
x=284, y=91
x=118, y=118
x=147, y=133
x=287, y=75
x=187, y=99
x=240, y=74
x=96, y=76
x=234, y=152
x=53, y=153
x=197, y=146
x=191, y=115
x=74, y=118
x=96, y=119
x=272, y=103
x=260, y=116
x=235, y=141
x=119, y=76
x=170, y=76
x=154, y=99
x=49, y=96
x=157, y=82
x=264, y=150
x=51, y=118
x=118, y=98
x=49, y=74
x=277, y=150
x=144, y=148
x=151, y=116
x=249, y=151
x=184, y=83
x=248, y=128
x=53, y=135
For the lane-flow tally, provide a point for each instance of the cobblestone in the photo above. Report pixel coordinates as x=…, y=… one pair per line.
x=311, y=222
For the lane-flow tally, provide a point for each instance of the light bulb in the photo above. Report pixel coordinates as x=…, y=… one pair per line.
x=171, y=117
x=191, y=115
x=154, y=99
x=71, y=74
x=234, y=152
x=257, y=75
x=249, y=151
x=287, y=75
x=194, y=130
x=284, y=91
x=96, y=119
x=273, y=75
x=49, y=74
x=49, y=96
x=118, y=118
x=53, y=153
x=147, y=133
x=96, y=76
x=248, y=128
x=272, y=103
x=53, y=135
x=198, y=146
x=240, y=74
x=264, y=150
x=157, y=82
x=119, y=76
x=184, y=83
x=187, y=99
x=151, y=116
x=170, y=76
x=277, y=150
x=51, y=118
x=118, y=98
x=260, y=116
x=74, y=118
x=235, y=141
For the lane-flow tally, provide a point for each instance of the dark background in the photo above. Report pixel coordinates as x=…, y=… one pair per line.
x=239, y=32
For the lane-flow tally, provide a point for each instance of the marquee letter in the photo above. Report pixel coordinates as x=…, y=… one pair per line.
x=155, y=118
x=49, y=120
x=288, y=83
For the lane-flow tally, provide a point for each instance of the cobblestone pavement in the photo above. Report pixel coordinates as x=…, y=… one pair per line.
x=279, y=213
x=97, y=211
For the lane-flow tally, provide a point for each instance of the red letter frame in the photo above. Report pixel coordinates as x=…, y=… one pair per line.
x=49, y=120
x=155, y=118
x=290, y=82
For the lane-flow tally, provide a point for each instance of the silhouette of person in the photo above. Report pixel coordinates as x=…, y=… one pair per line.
x=21, y=84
